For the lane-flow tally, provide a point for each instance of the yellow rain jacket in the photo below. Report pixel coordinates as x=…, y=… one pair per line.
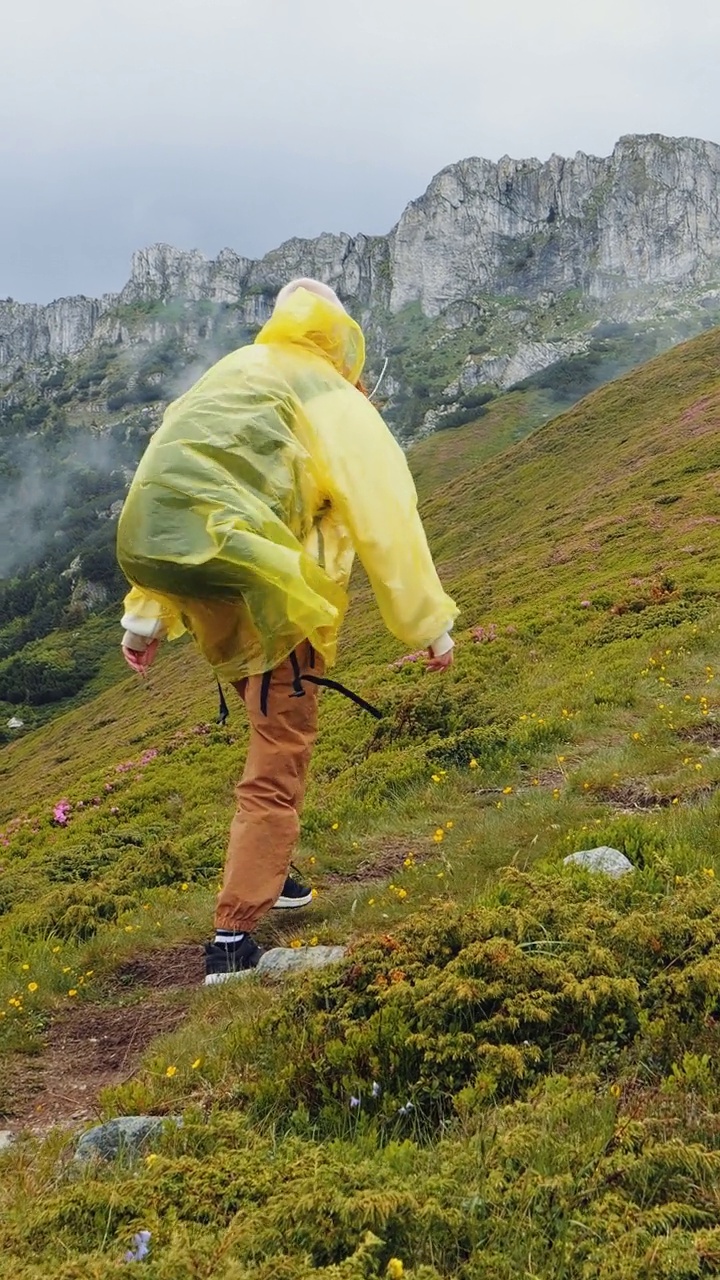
x=264, y=479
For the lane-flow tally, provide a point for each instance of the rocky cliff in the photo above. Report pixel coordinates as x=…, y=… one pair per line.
x=496, y=272
x=647, y=216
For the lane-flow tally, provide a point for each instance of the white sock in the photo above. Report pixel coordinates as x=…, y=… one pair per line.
x=227, y=936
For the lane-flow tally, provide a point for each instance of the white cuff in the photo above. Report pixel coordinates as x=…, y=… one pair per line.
x=442, y=645
x=147, y=628
x=131, y=640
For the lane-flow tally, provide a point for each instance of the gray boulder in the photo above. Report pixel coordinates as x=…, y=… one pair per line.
x=294, y=960
x=126, y=1134
x=607, y=861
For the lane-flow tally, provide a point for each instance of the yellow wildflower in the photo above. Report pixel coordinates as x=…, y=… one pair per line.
x=371, y=902
x=171, y=1071
x=72, y=991
x=196, y=1064
x=185, y=886
x=436, y=777
x=32, y=986
x=402, y=893
x=395, y=1269
x=708, y=871
x=313, y=942
x=473, y=764
x=507, y=791
x=450, y=825
x=296, y=944
x=615, y=1090
x=25, y=968
x=335, y=826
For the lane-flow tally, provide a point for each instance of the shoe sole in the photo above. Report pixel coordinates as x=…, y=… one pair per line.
x=292, y=904
x=213, y=979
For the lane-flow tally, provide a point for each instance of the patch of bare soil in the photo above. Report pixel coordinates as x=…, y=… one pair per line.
x=92, y=1046
x=706, y=734
x=385, y=861
x=633, y=797
x=163, y=969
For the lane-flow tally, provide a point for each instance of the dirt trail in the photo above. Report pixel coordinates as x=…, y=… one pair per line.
x=92, y=1046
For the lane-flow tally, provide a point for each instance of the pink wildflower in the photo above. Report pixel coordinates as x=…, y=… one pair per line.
x=61, y=812
x=409, y=657
x=484, y=635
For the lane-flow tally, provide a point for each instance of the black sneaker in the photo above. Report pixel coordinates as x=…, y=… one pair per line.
x=293, y=895
x=227, y=960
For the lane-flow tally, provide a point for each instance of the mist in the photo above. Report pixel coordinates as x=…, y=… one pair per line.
x=50, y=488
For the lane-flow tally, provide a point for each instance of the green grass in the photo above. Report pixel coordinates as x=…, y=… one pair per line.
x=555, y=1036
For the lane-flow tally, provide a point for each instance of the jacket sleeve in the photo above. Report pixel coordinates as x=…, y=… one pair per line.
x=149, y=616
x=368, y=481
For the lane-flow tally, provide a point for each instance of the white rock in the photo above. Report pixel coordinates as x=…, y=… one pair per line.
x=291, y=959
x=607, y=861
x=6, y=1139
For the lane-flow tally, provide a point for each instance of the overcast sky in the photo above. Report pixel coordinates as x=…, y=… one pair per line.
x=207, y=123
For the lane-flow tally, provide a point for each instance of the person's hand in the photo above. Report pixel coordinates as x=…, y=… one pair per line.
x=140, y=660
x=441, y=663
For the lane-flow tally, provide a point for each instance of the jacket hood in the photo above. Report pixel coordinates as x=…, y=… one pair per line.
x=319, y=322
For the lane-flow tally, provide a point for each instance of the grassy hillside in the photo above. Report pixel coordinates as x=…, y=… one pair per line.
x=515, y=1073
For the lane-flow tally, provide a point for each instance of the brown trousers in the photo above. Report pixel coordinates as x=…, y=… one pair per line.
x=270, y=794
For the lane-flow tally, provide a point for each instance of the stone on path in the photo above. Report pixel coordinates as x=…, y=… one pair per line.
x=609, y=862
x=295, y=959
x=128, y=1134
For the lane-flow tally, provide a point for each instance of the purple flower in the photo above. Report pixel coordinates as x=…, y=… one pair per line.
x=148, y=755
x=140, y=1247
x=354, y=1102
x=376, y=1089
x=61, y=812
x=584, y=604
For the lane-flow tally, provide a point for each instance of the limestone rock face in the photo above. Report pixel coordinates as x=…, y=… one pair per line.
x=647, y=215
x=617, y=233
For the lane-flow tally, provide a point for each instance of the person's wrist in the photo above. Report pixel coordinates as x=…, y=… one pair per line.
x=442, y=645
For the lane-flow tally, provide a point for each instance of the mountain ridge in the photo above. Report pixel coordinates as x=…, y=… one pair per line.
x=651, y=215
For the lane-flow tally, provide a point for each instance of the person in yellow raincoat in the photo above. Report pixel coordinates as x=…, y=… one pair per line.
x=240, y=526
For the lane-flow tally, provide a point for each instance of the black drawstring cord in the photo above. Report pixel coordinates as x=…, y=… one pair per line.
x=299, y=692
x=223, y=708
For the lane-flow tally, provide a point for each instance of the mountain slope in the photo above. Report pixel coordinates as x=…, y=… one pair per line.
x=542, y=1046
